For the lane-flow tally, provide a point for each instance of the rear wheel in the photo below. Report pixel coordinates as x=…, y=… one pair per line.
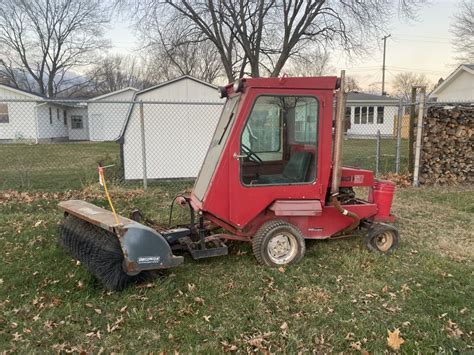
x=382, y=238
x=278, y=243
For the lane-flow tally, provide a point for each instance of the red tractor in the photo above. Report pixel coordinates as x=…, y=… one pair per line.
x=272, y=176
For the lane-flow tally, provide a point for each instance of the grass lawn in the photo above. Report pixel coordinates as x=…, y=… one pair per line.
x=64, y=166
x=340, y=298
x=53, y=167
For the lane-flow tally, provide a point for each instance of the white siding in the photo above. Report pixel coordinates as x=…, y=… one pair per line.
x=370, y=129
x=76, y=133
x=106, y=120
x=50, y=127
x=461, y=88
x=21, y=116
x=176, y=135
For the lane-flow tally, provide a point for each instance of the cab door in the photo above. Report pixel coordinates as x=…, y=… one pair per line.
x=275, y=152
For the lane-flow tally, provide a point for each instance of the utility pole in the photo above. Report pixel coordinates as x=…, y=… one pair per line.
x=383, y=66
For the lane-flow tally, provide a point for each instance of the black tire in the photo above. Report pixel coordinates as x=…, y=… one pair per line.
x=382, y=238
x=267, y=233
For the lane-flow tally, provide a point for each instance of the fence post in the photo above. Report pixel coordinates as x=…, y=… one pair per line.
x=419, y=130
x=411, y=129
x=142, y=129
x=399, y=136
x=377, y=154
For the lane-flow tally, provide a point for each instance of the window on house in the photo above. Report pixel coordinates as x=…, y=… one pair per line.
x=363, y=119
x=77, y=122
x=380, y=115
x=57, y=114
x=370, y=118
x=50, y=115
x=357, y=115
x=65, y=117
x=4, y=118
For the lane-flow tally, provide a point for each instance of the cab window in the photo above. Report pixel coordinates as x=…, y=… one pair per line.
x=279, y=141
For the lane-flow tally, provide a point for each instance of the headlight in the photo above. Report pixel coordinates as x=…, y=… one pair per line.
x=238, y=85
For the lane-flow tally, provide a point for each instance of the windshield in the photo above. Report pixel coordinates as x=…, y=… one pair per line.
x=217, y=145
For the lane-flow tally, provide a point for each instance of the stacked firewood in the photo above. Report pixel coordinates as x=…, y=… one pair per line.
x=448, y=145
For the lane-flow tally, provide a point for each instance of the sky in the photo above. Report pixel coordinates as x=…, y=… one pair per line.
x=422, y=46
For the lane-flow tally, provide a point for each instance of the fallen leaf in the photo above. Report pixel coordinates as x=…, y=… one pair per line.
x=123, y=309
x=191, y=287
x=38, y=223
x=394, y=340
x=462, y=311
x=453, y=330
x=206, y=318
x=281, y=269
x=199, y=300
x=98, y=311
x=284, y=326
x=356, y=346
x=256, y=342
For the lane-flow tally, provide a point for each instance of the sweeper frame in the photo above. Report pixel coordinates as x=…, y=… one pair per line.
x=272, y=176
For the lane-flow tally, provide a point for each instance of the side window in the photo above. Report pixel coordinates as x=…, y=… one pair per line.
x=4, y=118
x=76, y=122
x=357, y=115
x=262, y=133
x=279, y=141
x=379, y=114
x=371, y=114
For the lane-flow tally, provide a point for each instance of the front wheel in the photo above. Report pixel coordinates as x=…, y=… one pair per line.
x=278, y=243
x=382, y=238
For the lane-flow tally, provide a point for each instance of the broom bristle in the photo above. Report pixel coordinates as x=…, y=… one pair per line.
x=99, y=251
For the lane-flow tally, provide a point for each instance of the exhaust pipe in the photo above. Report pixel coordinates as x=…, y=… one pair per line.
x=337, y=155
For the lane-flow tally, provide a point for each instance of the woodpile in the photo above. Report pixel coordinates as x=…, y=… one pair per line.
x=448, y=146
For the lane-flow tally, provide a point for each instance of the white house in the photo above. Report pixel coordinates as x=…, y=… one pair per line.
x=368, y=113
x=107, y=114
x=179, y=119
x=29, y=117
x=458, y=86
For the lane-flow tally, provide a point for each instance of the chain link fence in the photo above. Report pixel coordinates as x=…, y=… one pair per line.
x=55, y=145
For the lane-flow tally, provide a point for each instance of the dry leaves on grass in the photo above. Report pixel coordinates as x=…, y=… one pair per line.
x=453, y=330
x=394, y=340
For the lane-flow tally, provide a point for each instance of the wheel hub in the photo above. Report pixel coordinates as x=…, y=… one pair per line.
x=282, y=248
x=384, y=241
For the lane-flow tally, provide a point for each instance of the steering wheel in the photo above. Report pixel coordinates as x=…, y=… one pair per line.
x=251, y=155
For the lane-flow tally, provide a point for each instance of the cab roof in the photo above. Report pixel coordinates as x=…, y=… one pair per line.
x=315, y=82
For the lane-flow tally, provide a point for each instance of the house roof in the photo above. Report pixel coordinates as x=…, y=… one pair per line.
x=175, y=80
x=114, y=93
x=355, y=96
x=469, y=68
x=21, y=91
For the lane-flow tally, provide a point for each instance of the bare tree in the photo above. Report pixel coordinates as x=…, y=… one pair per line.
x=351, y=84
x=315, y=62
x=463, y=30
x=403, y=82
x=116, y=72
x=256, y=37
x=43, y=40
x=175, y=50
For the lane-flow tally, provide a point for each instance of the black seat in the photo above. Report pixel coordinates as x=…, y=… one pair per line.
x=295, y=170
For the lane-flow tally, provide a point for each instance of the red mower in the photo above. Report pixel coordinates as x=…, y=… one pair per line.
x=272, y=176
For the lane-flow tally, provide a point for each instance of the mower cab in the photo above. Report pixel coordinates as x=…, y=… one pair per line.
x=272, y=176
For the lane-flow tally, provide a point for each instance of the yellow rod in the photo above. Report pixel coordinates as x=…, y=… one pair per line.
x=102, y=175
